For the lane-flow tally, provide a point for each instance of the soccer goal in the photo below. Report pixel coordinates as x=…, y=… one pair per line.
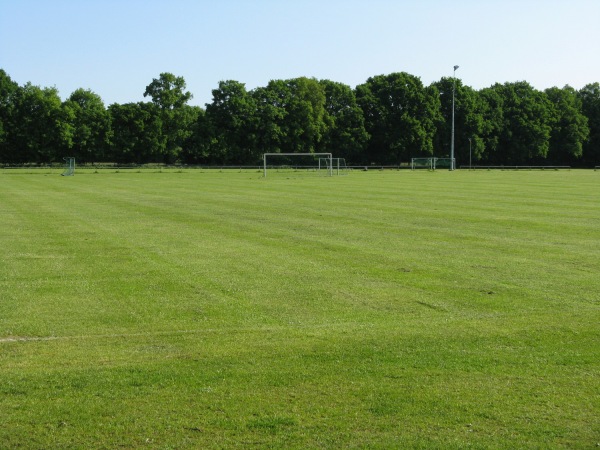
x=421, y=163
x=431, y=163
x=338, y=165
x=298, y=164
x=69, y=167
x=444, y=163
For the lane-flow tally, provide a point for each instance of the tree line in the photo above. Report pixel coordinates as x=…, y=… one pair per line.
x=389, y=119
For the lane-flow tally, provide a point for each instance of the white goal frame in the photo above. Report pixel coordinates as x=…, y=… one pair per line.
x=338, y=164
x=328, y=156
x=69, y=167
x=431, y=163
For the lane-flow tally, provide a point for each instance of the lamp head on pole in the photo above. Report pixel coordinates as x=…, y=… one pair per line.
x=455, y=67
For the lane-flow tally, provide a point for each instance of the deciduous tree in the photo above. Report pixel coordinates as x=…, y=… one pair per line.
x=40, y=130
x=90, y=124
x=232, y=118
x=400, y=115
x=138, y=136
x=570, y=129
x=197, y=148
x=302, y=124
x=269, y=119
x=345, y=134
x=469, y=122
x=527, y=122
x=168, y=93
x=8, y=90
x=590, y=105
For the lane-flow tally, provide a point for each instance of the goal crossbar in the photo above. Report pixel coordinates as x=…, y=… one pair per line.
x=432, y=163
x=338, y=164
x=329, y=156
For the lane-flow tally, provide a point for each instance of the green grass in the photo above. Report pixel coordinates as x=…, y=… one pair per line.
x=376, y=310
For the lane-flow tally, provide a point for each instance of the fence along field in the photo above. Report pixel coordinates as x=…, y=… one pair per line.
x=379, y=309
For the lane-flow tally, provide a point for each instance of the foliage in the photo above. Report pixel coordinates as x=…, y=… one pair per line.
x=199, y=146
x=8, y=89
x=297, y=108
x=269, y=118
x=168, y=91
x=386, y=120
x=527, y=123
x=570, y=130
x=590, y=105
x=493, y=125
x=40, y=129
x=400, y=115
x=345, y=134
x=138, y=133
x=90, y=125
x=169, y=95
x=232, y=117
x=469, y=121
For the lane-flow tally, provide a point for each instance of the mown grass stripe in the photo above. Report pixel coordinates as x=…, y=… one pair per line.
x=300, y=312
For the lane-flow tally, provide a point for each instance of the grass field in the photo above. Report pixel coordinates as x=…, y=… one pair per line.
x=376, y=310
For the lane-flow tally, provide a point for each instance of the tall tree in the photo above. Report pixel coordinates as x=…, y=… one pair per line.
x=90, y=125
x=345, y=134
x=290, y=115
x=570, y=129
x=527, y=123
x=269, y=119
x=307, y=113
x=590, y=105
x=137, y=133
x=186, y=118
x=469, y=122
x=303, y=102
x=400, y=115
x=493, y=125
x=232, y=116
x=8, y=90
x=168, y=93
x=41, y=131
x=197, y=148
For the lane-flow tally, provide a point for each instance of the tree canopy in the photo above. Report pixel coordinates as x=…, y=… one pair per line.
x=401, y=116
x=386, y=120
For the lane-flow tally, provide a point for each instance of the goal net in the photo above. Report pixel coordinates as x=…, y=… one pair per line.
x=338, y=165
x=431, y=163
x=421, y=163
x=298, y=164
x=443, y=163
x=69, y=167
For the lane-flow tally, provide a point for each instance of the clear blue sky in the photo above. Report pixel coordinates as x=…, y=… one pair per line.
x=116, y=47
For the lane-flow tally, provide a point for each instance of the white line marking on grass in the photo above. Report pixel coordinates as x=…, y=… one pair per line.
x=27, y=339
x=97, y=336
x=162, y=333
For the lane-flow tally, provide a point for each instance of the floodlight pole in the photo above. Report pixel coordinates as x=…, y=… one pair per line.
x=452, y=164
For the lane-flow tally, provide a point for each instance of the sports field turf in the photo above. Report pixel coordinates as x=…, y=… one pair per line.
x=375, y=310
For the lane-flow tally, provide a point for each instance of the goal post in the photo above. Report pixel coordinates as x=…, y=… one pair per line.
x=421, y=163
x=69, y=167
x=444, y=163
x=317, y=157
x=432, y=163
x=339, y=165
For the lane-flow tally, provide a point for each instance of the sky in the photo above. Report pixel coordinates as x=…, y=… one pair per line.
x=115, y=48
